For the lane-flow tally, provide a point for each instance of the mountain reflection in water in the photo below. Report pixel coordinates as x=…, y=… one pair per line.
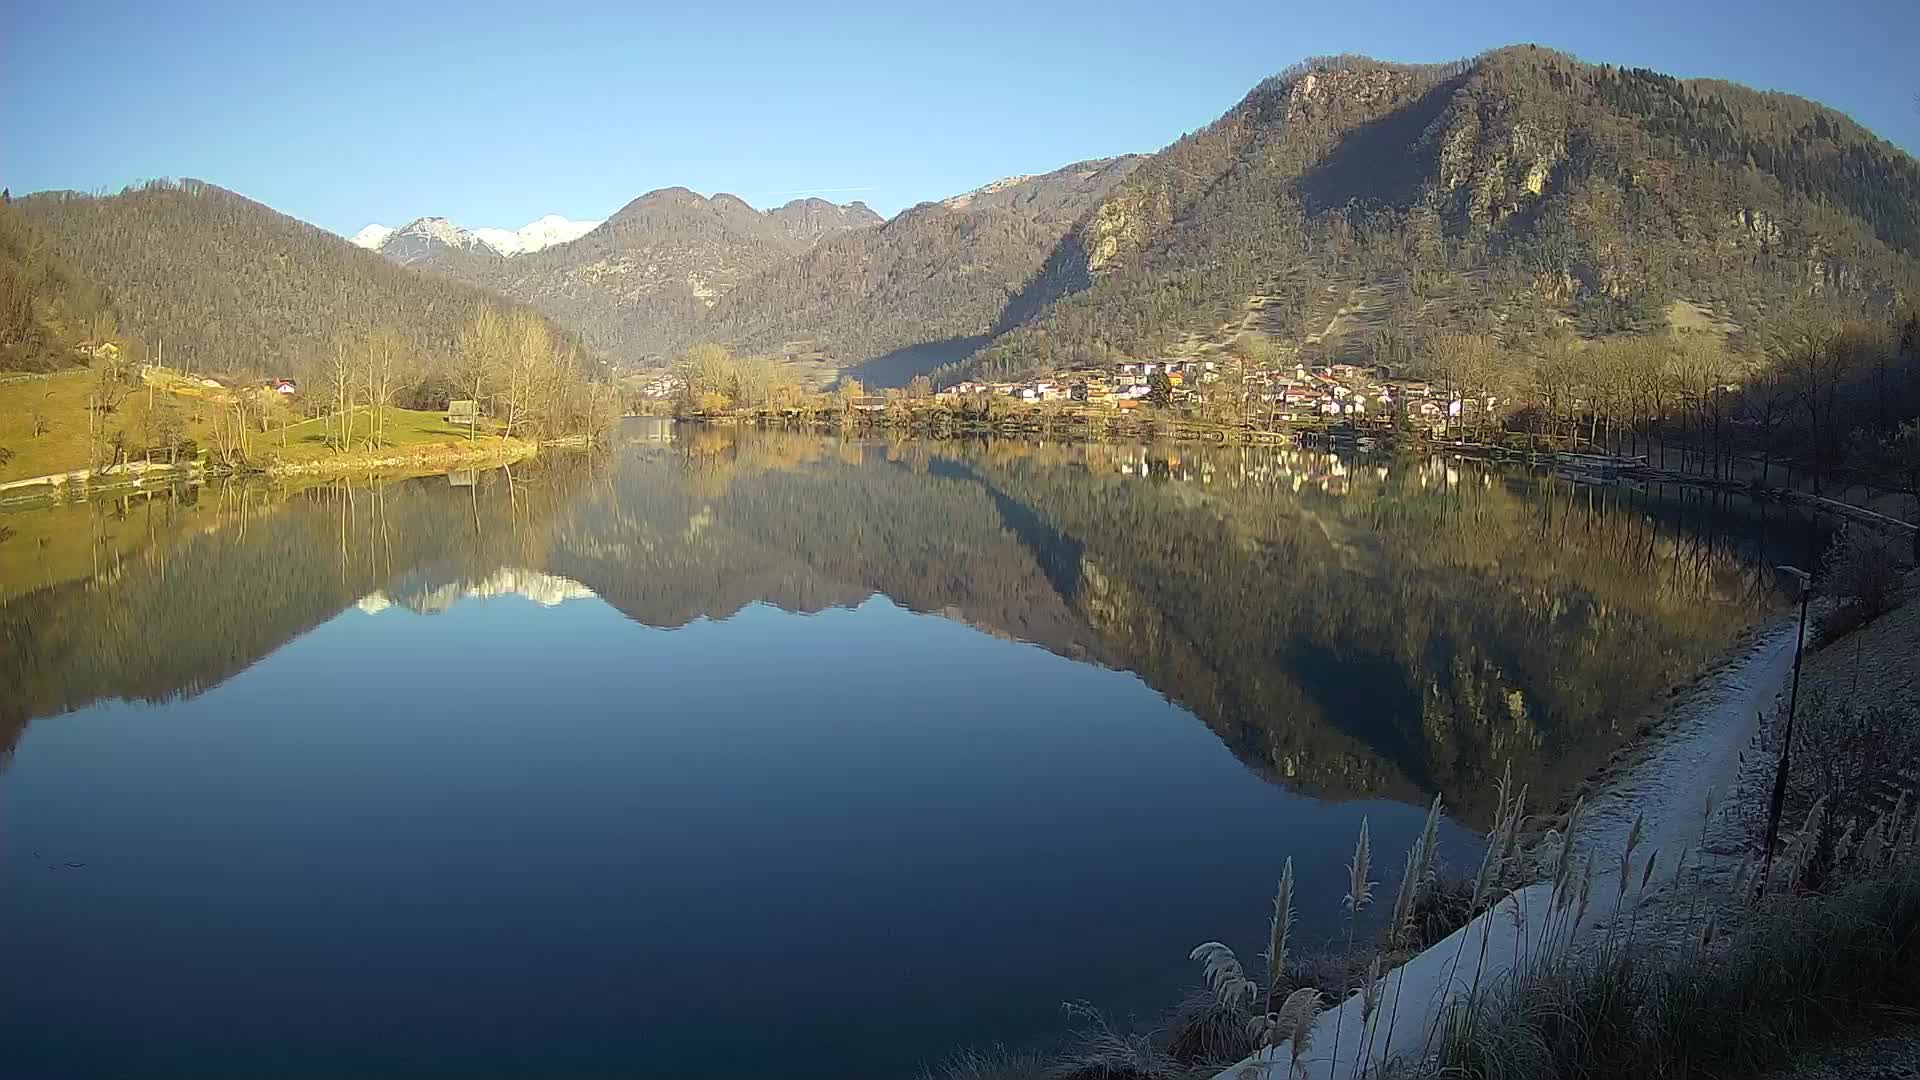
x=1352, y=628
x=735, y=747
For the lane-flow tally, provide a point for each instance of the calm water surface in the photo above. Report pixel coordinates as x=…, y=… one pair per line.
x=783, y=755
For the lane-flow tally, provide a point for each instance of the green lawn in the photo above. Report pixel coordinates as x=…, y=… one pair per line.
x=62, y=447
x=307, y=439
x=62, y=401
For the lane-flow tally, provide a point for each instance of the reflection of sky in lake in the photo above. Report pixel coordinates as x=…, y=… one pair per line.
x=509, y=838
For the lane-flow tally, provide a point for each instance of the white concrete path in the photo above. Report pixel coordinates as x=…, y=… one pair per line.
x=1699, y=751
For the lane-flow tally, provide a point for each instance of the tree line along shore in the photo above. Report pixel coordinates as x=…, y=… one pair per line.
x=122, y=413
x=1829, y=405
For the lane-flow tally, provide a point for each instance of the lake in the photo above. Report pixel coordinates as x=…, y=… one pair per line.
x=732, y=753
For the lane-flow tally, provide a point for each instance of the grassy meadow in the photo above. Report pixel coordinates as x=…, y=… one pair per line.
x=44, y=423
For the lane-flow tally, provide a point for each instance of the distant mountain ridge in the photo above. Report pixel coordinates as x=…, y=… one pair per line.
x=1348, y=207
x=633, y=284
x=421, y=236
x=674, y=267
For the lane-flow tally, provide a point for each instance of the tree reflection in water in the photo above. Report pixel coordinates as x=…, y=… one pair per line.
x=1346, y=626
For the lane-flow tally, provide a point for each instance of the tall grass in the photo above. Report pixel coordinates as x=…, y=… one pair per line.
x=1795, y=972
x=1727, y=1001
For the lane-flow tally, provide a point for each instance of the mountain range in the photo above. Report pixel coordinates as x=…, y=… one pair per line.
x=1345, y=208
x=419, y=236
x=674, y=267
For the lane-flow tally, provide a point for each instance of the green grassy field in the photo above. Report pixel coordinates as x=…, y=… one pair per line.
x=306, y=440
x=61, y=402
x=58, y=404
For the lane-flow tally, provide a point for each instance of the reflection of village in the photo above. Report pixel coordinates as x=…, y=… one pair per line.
x=1302, y=393
x=1273, y=470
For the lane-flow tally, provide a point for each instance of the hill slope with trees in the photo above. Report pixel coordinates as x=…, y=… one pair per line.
x=936, y=273
x=47, y=309
x=1351, y=206
x=639, y=286
x=225, y=284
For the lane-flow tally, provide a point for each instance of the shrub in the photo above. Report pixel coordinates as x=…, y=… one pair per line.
x=1204, y=1030
x=1863, y=571
x=1855, y=756
x=1100, y=1051
x=1445, y=906
x=995, y=1064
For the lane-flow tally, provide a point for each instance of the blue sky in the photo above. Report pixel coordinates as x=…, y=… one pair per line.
x=345, y=113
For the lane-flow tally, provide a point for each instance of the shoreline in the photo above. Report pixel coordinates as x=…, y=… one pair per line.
x=1663, y=719
x=429, y=457
x=1686, y=746
x=397, y=462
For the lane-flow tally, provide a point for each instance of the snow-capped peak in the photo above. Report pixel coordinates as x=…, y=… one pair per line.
x=542, y=233
x=372, y=236
x=534, y=235
x=439, y=228
x=504, y=241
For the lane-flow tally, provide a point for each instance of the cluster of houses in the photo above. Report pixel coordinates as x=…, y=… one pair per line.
x=1351, y=391
x=664, y=386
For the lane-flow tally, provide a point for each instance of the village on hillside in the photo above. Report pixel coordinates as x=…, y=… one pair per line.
x=1342, y=391
x=1347, y=393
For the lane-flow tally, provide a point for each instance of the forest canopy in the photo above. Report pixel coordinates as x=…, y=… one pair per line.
x=223, y=284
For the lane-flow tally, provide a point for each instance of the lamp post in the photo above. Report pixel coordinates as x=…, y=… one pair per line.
x=1805, y=581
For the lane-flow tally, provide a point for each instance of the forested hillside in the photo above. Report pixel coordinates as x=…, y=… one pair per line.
x=673, y=268
x=936, y=272
x=224, y=284
x=46, y=309
x=1354, y=206
x=639, y=286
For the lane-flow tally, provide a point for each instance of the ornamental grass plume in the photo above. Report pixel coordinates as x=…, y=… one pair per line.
x=1565, y=869
x=1359, y=886
x=1418, y=877
x=1843, y=847
x=1626, y=856
x=1224, y=974
x=1297, y=1015
x=1805, y=843
x=1277, y=933
x=1429, y=845
x=1370, y=995
x=1515, y=817
x=1359, y=895
x=1402, y=922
